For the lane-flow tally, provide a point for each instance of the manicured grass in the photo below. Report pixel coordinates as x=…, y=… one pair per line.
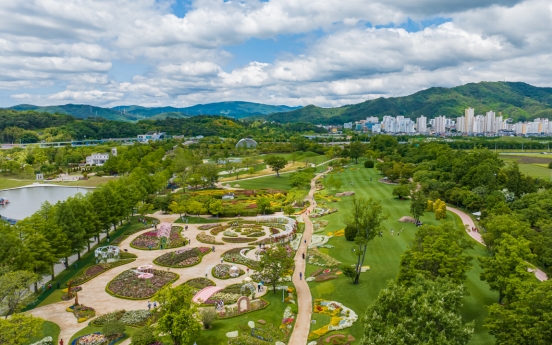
x=6, y=182
x=129, y=331
x=50, y=329
x=272, y=314
x=93, y=181
x=281, y=182
x=384, y=254
x=536, y=169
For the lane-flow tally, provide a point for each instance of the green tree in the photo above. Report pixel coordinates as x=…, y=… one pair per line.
x=437, y=251
x=526, y=320
x=275, y=263
x=14, y=290
x=19, y=329
x=144, y=336
x=215, y=207
x=196, y=207
x=263, y=205
x=300, y=179
x=418, y=204
x=369, y=164
x=177, y=314
x=367, y=216
x=401, y=191
x=289, y=210
x=143, y=208
x=350, y=232
x=276, y=163
x=178, y=207
x=113, y=328
x=356, y=149
x=396, y=315
x=207, y=316
x=507, y=267
x=333, y=183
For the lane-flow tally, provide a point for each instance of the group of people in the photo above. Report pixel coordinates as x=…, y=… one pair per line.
x=154, y=305
x=219, y=305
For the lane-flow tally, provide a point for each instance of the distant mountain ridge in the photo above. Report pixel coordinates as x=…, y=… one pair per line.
x=237, y=109
x=516, y=100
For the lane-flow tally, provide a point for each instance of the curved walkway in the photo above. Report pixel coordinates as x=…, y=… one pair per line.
x=469, y=224
x=95, y=296
x=304, y=298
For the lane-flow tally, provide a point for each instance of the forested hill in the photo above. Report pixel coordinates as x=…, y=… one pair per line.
x=516, y=100
x=133, y=112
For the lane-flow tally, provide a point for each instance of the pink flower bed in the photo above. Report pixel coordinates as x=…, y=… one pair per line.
x=127, y=284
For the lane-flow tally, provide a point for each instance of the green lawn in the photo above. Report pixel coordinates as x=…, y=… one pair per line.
x=281, y=182
x=535, y=169
x=272, y=314
x=201, y=220
x=6, y=183
x=384, y=255
x=48, y=329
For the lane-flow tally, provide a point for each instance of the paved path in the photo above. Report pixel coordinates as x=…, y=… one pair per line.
x=94, y=295
x=469, y=224
x=301, y=330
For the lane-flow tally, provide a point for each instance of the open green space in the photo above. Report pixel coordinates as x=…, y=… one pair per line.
x=274, y=182
x=6, y=183
x=48, y=329
x=534, y=165
x=272, y=314
x=384, y=254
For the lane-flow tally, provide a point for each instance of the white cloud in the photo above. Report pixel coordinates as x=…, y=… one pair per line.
x=73, y=43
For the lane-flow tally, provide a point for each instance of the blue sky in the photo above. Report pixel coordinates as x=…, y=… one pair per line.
x=328, y=52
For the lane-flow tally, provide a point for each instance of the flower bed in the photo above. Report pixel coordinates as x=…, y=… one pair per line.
x=82, y=312
x=237, y=239
x=321, y=275
x=230, y=233
x=234, y=256
x=315, y=257
x=152, y=240
x=208, y=239
x=198, y=284
x=45, y=341
x=182, y=258
x=128, y=285
x=66, y=296
x=218, y=230
x=222, y=271
x=341, y=317
x=208, y=226
x=256, y=304
x=95, y=270
x=129, y=318
x=90, y=339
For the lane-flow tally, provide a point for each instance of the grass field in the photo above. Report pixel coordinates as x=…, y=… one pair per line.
x=48, y=329
x=384, y=255
x=6, y=182
x=534, y=165
x=281, y=182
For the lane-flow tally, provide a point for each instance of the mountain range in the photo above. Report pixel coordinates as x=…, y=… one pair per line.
x=235, y=109
x=516, y=100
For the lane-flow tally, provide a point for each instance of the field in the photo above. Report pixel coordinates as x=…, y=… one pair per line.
x=534, y=165
x=384, y=255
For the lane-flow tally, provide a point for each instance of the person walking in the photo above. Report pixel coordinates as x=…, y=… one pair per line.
x=61, y=342
x=213, y=249
x=303, y=256
x=300, y=275
x=149, y=305
x=154, y=304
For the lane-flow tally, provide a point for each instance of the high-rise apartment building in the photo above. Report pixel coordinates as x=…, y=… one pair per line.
x=468, y=122
x=490, y=122
x=421, y=124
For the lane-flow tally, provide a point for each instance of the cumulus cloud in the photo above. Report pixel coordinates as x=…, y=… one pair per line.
x=360, y=50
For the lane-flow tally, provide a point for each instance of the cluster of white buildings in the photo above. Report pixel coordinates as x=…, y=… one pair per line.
x=470, y=124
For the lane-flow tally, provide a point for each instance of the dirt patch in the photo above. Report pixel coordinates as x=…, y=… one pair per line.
x=530, y=160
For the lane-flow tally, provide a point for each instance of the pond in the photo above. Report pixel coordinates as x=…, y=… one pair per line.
x=25, y=201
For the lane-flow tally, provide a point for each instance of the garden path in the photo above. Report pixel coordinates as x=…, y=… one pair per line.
x=469, y=224
x=94, y=294
x=301, y=330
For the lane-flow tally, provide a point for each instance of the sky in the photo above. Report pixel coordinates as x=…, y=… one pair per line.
x=292, y=52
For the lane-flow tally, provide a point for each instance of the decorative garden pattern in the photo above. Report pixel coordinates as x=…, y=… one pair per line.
x=163, y=238
x=129, y=285
x=341, y=317
x=184, y=257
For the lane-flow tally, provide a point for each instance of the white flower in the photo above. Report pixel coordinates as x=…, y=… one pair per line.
x=310, y=279
x=251, y=324
x=233, y=334
x=45, y=341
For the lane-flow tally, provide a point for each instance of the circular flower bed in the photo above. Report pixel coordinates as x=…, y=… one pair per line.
x=152, y=239
x=205, y=238
x=128, y=285
x=182, y=258
x=222, y=271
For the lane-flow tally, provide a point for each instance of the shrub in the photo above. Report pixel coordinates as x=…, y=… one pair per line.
x=143, y=336
x=550, y=165
x=369, y=164
x=113, y=327
x=207, y=316
x=350, y=232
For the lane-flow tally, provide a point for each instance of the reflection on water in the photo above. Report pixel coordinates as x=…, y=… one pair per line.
x=26, y=201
